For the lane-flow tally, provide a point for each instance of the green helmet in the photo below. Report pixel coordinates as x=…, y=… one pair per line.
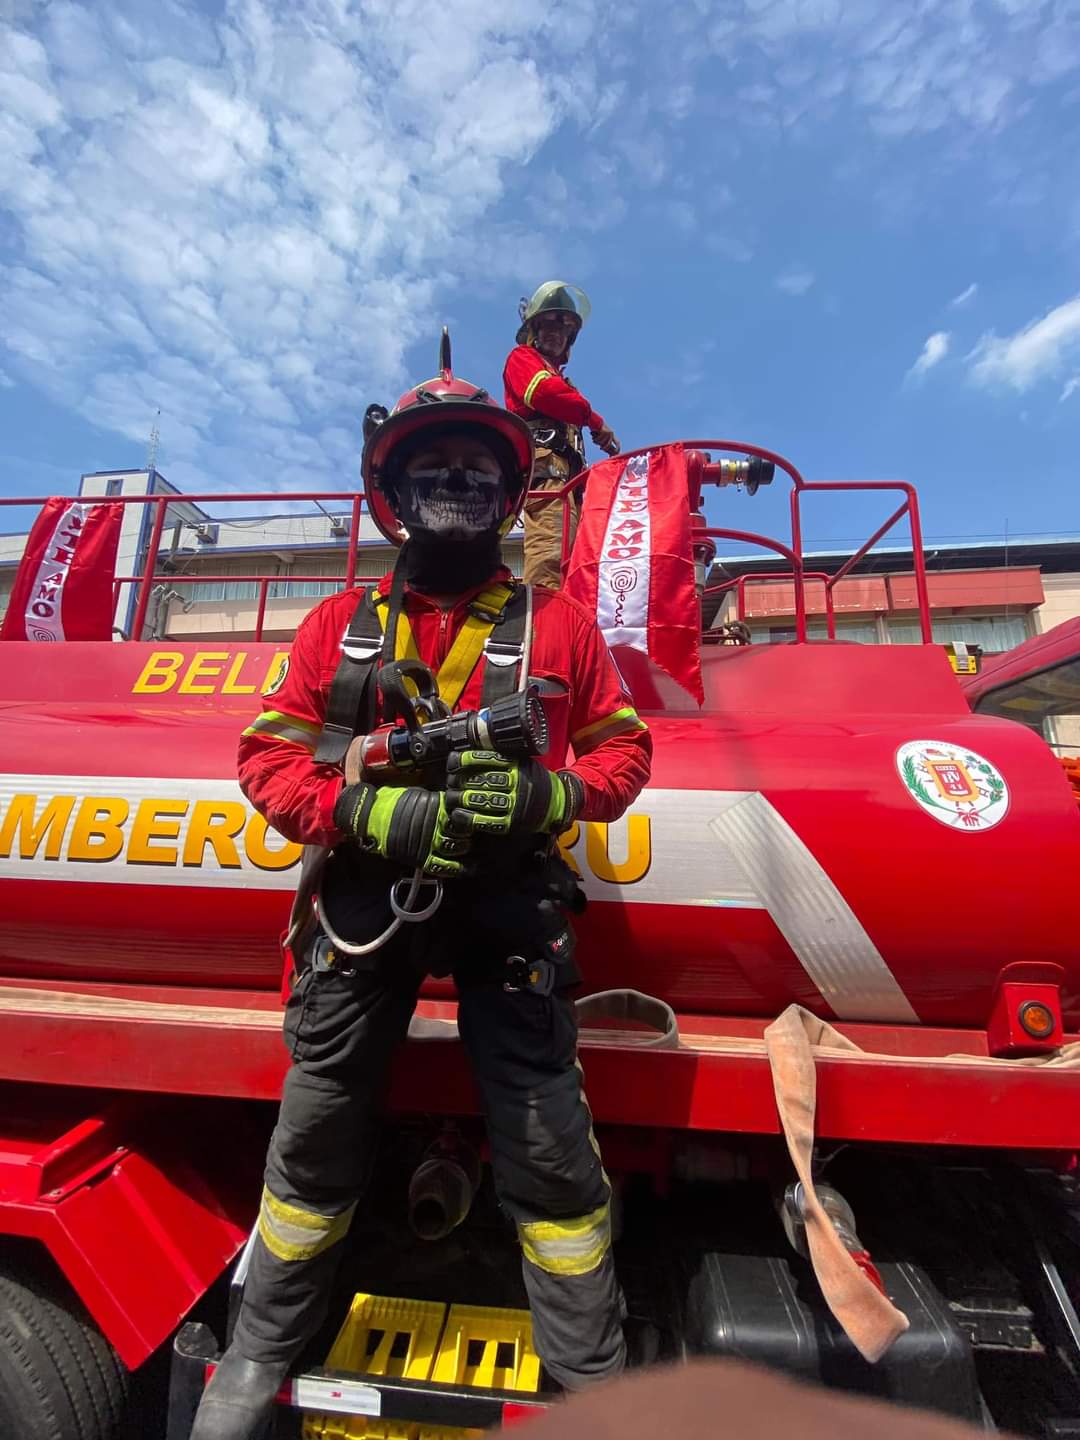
x=552, y=295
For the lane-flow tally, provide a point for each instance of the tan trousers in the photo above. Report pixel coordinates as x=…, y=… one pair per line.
x=543, y=532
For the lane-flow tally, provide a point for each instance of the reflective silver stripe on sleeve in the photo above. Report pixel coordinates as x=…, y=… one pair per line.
x=285, y=727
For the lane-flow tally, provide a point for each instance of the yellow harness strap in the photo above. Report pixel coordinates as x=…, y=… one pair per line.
x=467, y=648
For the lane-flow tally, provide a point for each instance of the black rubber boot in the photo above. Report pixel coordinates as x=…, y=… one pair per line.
x=239, y=1401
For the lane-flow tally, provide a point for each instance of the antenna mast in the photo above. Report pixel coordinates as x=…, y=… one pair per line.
x=152, y=447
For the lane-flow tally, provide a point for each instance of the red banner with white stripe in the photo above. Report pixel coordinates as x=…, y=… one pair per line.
x=633, y=564
x=64, y=585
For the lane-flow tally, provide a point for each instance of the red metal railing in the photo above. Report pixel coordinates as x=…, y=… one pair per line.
x=740, y=582
x=147, y=578
x=263, y=583
x=710, y=473
x=701, y=472
x=910, y=508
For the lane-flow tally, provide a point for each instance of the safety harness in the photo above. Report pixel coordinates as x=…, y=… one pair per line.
x=497, y=630
x=498, y=633
x=556, y=440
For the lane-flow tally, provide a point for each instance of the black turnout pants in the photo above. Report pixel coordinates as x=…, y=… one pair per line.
x=342, y=1031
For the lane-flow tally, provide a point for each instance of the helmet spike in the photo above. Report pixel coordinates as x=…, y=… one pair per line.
x=445, y=364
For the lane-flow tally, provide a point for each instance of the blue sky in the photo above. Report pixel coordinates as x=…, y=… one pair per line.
x=845, y=229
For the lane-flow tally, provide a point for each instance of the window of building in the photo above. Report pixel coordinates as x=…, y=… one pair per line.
x=864, y=632
x=281, y=586
x=303, y=589
x=210, y=590
x=993, y=632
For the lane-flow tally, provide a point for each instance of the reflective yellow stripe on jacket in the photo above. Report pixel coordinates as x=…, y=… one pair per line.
x=567, y=1247
x=294, y=1234
x=589, y=736
x=290, y=728
x=534, y=382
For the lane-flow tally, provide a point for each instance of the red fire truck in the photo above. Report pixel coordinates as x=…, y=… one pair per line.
x=835, y=829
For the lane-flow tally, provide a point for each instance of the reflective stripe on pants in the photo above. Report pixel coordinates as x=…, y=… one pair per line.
x=567, y=1247
x=548, y=1175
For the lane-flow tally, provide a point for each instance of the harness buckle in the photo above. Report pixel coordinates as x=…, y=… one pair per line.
x=535, y=975
x=325, y=960
x=489, y=617
x=361, y=649
x=493, y=617
x=503, y=652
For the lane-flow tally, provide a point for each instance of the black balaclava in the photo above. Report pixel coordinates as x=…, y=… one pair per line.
x=454, y=530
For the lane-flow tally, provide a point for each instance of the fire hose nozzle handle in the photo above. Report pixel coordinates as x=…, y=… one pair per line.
x=414, y=706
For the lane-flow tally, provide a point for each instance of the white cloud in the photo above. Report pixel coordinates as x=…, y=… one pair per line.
x=912, y=69
x=6, y=382
x=1071, y=386
x=933, y=352
x=1037, y=352
x=964, y=297
x=247, y=218
x=795, y=281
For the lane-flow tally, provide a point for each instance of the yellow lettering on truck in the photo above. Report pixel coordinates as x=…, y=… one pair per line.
x=201, y=672
x=21, y=819
x=260, y=854
x=638, y=851
x=156, y=825
x=215, y=823
x=155, y=820
x=202, y=669
x=98, y=833
x=159, y=673
x=232, y=685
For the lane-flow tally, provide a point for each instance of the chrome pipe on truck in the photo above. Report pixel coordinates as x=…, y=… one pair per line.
x=442, y=1188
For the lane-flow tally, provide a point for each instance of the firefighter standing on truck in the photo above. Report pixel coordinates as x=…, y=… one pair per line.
x=556, y=412
x=451, y=467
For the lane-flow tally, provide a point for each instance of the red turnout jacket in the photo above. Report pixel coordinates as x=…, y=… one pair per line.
x=595, y=717
x=533, y=387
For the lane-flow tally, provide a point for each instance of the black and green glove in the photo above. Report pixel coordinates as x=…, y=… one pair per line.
x=490, y=795
x=405, y=824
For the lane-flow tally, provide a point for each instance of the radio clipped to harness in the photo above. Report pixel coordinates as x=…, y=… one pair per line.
x=426, y=732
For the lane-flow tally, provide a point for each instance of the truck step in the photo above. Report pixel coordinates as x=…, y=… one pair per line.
x=458, y=1345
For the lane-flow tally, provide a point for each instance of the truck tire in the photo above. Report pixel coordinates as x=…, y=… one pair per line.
x=59, y=1378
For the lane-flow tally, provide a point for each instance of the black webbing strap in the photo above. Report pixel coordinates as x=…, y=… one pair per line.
x=350, y=706
x=506, y=648
x=393, y=614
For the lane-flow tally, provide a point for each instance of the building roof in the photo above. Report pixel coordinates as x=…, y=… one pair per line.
x=1051, y=553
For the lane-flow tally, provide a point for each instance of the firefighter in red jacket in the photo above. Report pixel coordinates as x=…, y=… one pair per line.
x=450, y=467
x=557, y=413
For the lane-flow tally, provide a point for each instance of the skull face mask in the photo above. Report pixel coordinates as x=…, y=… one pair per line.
x=451, y=489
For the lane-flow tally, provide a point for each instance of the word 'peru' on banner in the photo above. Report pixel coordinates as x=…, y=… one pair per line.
x=633, y=564
x=64, y=585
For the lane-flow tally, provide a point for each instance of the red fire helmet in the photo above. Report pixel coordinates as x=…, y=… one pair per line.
x=438, y=402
